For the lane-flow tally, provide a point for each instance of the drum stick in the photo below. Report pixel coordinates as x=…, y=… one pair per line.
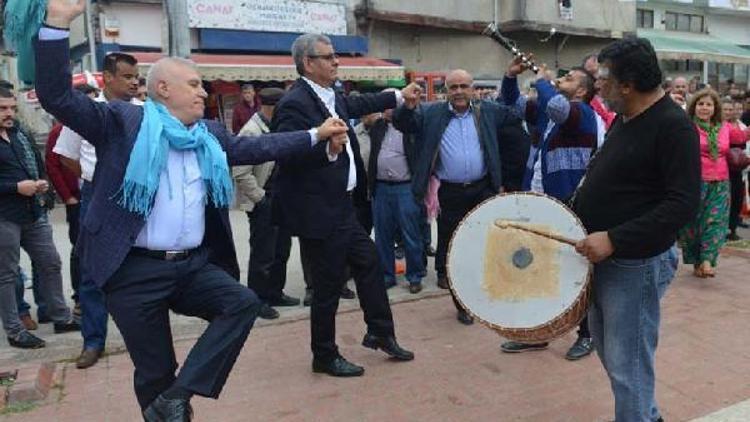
x=504, y=224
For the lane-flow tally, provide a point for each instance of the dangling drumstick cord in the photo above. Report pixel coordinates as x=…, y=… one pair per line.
x=504, y=224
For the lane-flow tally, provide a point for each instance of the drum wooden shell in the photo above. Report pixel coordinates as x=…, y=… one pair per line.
x=533, y=320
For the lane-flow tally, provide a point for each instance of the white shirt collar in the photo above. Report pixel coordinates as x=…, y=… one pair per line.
x=327, y=95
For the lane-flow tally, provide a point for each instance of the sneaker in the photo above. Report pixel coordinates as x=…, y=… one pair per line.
x=26, y=340
x=581, y=348
x=516, y=347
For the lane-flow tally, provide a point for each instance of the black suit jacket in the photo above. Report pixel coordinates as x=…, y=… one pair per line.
x=311, y=190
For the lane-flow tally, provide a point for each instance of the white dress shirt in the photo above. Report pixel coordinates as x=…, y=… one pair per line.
x=177, y=220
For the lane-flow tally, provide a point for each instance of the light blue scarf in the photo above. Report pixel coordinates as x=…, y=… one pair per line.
x=160, y=131
x=23, y=18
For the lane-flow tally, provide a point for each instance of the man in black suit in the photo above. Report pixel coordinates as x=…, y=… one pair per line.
x=317, y=193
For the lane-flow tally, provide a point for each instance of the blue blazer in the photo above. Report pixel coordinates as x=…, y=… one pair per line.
x=311, y=195
x=109, y=231
x=504, y=142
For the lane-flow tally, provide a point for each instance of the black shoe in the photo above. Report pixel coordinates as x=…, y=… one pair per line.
x=43, y=319
x=390, y=283
x=743, y=225
x=399, y=253
x=284, y=300
x=442, y=281
x=26, y=340
x=516, y=347
x=88, y=358
x=347, y=293
x=66, y=327
x=307, y=301
x=464, y=318
x=388, y=345
x=430, y=251
x=581, y=348
x=338, y=367
x=267, y=312
x=415, y=288
x=168, y=410
x=733, y=236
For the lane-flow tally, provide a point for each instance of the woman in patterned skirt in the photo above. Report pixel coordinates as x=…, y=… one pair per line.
x=701, y=240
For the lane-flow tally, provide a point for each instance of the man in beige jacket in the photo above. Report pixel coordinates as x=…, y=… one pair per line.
x=266, y=273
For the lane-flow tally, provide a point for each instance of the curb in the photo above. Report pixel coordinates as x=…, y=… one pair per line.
x=30, y=384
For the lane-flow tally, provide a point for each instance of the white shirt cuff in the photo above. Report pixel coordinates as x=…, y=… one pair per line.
x=313, y=135
x=399, y=98
x=53, y=34
x=331, y=157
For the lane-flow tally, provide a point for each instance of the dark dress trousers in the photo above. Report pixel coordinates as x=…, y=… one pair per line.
x=140, y=290
x=312, y=203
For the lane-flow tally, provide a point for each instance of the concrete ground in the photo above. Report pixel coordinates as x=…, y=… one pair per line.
x=459, y=374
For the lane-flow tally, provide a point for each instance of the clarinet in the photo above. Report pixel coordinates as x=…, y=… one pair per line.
x=493, y=32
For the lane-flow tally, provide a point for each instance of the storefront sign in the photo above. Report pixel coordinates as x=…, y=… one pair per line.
x=272, y=16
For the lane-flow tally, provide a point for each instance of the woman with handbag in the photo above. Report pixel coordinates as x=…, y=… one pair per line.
x=702, y=239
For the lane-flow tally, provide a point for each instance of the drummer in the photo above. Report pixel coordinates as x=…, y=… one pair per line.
x=557, y=163
x=641, y=187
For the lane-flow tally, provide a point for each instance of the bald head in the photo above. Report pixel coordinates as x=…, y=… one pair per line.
x=458, y=74
x=680, y=86
x=176, y=83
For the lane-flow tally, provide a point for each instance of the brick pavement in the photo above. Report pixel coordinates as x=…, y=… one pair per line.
x=459, y=373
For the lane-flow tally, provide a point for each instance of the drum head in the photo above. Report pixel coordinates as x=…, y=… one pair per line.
x=526, y=286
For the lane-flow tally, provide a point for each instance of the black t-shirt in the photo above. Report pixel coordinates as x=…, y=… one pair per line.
x=643, y=185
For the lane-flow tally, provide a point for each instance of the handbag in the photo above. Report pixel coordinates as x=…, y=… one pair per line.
x=737, y=159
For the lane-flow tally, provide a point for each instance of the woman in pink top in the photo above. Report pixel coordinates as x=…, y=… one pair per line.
x=701, y=240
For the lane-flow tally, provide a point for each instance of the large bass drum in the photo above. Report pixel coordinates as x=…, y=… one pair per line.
x=510, y=267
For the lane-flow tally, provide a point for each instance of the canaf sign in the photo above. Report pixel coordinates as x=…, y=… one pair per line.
x=264, y=15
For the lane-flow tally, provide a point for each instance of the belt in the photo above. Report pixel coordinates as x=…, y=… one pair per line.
x=163, y=255
x=393, y=182
x=465, y=184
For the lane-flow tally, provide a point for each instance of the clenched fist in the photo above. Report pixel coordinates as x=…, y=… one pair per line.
x=60, y=13
x=331, y=127
x=411, y=95
x=27, y=187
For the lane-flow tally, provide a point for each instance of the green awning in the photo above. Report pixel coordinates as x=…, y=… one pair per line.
x=673, y=45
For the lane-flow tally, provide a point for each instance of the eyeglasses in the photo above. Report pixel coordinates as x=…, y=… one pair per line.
x=329, y=57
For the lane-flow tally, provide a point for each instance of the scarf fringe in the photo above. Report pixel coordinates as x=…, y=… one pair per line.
x=136, y=198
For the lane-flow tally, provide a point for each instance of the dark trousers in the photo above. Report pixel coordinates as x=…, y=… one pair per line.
x=269, y=252
x=456, y=200
x=72, y=216
x=349, y=245
x=737, y=195
x=583, y=328
x=140, y=295
x=93, y=310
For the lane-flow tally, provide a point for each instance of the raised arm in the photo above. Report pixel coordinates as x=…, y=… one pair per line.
x=513, y=144
x=54, y=85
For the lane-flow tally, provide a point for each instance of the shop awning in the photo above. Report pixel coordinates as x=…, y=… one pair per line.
x=277, y=68
x=670, y=45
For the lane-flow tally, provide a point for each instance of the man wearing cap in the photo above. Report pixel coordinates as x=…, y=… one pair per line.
x=246, y=108
x=266, y=273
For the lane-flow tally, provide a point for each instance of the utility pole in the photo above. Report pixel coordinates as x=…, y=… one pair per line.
x=91, y=36
x=177, y=28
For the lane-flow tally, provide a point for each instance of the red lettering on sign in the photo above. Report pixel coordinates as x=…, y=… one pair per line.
x=213, y=9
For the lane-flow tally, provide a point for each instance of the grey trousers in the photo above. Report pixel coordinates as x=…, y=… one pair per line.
x=36, y=239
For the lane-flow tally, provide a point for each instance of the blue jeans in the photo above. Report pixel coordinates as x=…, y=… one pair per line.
x=624, y=321
x=394, y=208
x=93, y=310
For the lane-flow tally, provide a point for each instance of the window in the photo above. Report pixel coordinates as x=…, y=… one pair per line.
x=644, y=18
x=683, y=22
x=682, y=66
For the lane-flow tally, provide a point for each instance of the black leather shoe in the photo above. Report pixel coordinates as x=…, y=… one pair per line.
x=442, y=281
x=415, y=288
x=338, y=367
x=516, y=347
x=307, y=301
x=66, y=327
x=168, y=410
x=430, y=251
x=347, y=293
x=26, y=340
x=581, y=348
x=88, y=358
x=267, y=312
x=464, y=318
x=388, y=345
x=284, y=300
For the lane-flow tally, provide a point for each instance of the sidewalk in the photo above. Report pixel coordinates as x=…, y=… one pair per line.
x=459, y=374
